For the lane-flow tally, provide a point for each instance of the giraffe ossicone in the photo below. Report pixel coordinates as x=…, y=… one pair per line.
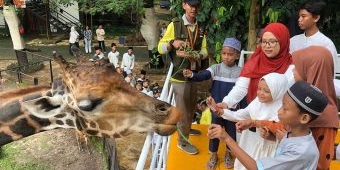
x=90, y=97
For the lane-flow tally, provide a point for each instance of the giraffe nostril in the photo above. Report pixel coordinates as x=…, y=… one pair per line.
x=89, y=105
x=162, y=107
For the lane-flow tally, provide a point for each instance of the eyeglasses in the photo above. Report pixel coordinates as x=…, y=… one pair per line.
x=271, y=43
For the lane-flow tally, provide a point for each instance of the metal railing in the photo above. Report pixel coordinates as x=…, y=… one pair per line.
x=20, y=74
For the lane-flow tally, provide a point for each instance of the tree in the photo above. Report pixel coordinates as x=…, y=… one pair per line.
x=13, y=23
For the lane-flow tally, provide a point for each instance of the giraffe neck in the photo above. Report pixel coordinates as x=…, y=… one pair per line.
x=16, y=121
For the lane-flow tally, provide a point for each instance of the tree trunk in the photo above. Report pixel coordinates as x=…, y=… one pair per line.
x=13, y=23
x=47, y=23
x=252, y=25
x=150, y=27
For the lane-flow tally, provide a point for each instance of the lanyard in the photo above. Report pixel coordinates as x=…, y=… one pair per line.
x=192, y=41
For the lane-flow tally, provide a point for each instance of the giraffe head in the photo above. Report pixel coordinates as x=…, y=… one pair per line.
x=103, y=103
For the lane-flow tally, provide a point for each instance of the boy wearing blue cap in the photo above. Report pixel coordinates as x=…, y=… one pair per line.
x=302, y=104
x=224, y=76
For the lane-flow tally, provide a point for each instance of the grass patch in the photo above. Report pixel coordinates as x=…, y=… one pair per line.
x=98, y=143
x=8, y=156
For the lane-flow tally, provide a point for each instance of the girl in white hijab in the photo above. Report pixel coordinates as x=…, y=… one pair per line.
x=265, y=106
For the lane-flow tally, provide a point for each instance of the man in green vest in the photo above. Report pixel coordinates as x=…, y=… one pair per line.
x=185, y=32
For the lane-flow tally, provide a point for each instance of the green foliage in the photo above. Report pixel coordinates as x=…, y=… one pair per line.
x=221, y=19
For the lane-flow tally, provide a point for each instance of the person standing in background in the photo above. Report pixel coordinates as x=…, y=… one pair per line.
x=100, y=32
x=87, y=39
x=74, y=35
x=179, y=32
x=309, y=16
x=128, y=61
x=114, y=55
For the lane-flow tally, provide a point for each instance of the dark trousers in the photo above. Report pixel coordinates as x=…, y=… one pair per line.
x=229, y=126
x=185, y=97
x=102, y=45
x=70, y=47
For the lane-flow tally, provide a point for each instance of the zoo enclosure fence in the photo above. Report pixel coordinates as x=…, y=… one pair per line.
x=21, y=75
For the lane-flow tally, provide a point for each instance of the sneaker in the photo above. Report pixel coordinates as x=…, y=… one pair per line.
x=228, y=160
x=194, y=132
x=188, y=148
x=212, y=163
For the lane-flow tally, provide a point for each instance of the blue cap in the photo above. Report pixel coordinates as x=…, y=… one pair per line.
x=233, y=43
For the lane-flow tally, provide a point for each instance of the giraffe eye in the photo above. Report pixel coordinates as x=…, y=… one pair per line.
x=89, y=104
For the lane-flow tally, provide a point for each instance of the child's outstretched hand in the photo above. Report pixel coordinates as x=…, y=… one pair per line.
x=243, y=125
x=187, y=73
x=214, y=107
x=216, y=131
x=211, y=103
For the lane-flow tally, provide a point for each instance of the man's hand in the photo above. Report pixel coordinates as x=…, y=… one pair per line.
x=177, y=44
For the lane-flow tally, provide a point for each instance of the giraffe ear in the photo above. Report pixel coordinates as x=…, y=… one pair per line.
x=45, y=106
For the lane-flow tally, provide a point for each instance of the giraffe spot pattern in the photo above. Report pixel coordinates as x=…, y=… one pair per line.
x=92, y=132
x=60, y=115
x=45, y=105
x=104, y=125
x=22, y=127
x=59, y=122
x=78, y=125
x=5, y=138
x=10, y=111
x=93, y=124
x=43, y=122
x=70, y=122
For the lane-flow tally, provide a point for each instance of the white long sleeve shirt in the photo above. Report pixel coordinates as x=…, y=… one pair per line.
x=300, y=41
x=128, y=61
x=240, y=89
x=114, y=58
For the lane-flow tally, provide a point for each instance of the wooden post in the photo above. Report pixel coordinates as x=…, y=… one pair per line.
x=110, y=148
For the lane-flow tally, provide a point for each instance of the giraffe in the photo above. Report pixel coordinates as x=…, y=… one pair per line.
x=90, y=97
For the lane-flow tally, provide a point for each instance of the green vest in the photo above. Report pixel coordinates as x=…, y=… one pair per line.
x=180, y=63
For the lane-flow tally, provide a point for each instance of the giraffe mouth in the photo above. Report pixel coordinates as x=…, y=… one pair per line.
x=165, y=130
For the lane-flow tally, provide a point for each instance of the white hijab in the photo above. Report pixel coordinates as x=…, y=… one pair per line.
x=278, y=85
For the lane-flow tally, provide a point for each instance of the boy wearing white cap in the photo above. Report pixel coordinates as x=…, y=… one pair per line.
x=302, y=104
x=224, y=76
